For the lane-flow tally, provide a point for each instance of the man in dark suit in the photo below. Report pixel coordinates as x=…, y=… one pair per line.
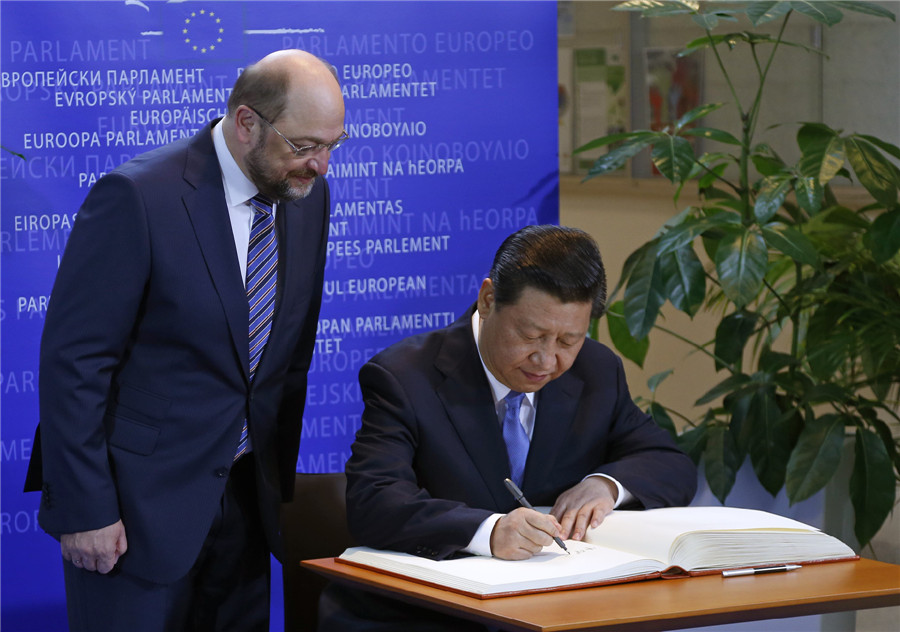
x=440, y=434
x=171, y=395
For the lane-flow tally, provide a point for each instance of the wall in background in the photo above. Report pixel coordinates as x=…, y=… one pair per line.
x=417, y=208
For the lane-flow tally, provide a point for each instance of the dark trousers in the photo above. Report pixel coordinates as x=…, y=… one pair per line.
x=227, y=589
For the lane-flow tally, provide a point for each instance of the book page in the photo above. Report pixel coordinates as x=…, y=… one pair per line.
x=715, y=537
x=485, y=575
x=704, y=550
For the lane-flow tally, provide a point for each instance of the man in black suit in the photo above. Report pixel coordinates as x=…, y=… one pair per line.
x=427, y=471
x=171, y=395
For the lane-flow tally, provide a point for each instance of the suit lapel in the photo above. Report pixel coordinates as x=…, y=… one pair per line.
x=289, y=221
x=208, y=213
x=557, y=404
x=466, y=396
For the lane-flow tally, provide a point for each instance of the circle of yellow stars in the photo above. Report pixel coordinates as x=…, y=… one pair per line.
x=210, y=15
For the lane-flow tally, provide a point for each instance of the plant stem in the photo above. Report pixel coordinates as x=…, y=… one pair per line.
x=754, y=110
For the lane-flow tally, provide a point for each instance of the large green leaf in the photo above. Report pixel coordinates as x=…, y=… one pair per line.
x=771, y=196
x=823, y=12
x=658, y=378
x=887, y=436
x=696, y=113
x=733, y=39
x=618, y=156
x=706, y=182
x=774, y=361
x=693, y=441
x=832, y=160
x=883, y=237
x=720, y=461
x=707, y=21
x=791, y=242
x=823, y=152
x=662, y=418
x=770, y=440
x=711, y=133
x=643, y=294
x=741, y=261
x=828, y=344
x=684, y=279
x=738, y=406
x=633, y=349
x=813, y=137
x=628, y=267
x=816, y=456
x=809, y=194
x=683, y=233
x=615, y=138
x=732, y=335
x=766, y=160
x=731, y=384
x=872, y=485
x=673, y=156
x=762, y=12
x=883, y=145
x=874, y=171
x=865, y=7
x=827, y=392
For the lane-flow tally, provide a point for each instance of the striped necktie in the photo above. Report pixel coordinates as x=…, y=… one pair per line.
x=517, y=442
x=262, y=279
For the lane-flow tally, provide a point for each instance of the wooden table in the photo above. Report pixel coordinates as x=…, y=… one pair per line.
x=661, y=604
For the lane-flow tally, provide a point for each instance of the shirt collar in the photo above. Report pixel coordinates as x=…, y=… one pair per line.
x=238, y=187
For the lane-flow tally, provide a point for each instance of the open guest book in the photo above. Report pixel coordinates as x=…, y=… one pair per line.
x=627, y=546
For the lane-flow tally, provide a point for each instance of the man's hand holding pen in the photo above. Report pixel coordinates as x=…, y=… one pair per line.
x=522, y=533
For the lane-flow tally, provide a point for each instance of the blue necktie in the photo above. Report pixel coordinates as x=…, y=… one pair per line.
x=262, y=278
x=516, y=438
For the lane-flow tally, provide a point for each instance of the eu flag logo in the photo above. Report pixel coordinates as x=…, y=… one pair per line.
x=204, y=31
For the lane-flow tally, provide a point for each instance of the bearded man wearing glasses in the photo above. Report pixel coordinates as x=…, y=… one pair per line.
x=174, y=360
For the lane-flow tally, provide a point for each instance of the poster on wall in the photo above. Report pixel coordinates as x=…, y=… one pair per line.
x=673, y=86
x=601, y=98
x=452, y=113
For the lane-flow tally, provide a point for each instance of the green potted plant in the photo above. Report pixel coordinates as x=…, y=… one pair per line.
x=806, y=290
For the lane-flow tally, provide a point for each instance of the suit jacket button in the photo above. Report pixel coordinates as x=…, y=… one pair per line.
x=222, y=472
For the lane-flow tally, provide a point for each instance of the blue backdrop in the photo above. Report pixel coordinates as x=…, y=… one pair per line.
x=452, y=114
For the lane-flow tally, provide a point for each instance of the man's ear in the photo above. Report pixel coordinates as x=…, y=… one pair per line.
x=244, y=121
x=485, y=298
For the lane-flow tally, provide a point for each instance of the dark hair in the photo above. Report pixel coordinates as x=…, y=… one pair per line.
x=265, y=89
x=561, y=261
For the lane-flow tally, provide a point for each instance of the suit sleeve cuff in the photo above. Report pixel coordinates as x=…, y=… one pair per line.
x=480, y=544
x=623, y=497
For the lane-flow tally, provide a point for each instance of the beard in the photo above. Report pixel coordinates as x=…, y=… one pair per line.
x=269, y=182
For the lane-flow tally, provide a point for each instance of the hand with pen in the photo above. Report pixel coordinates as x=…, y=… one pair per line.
x=523, y=532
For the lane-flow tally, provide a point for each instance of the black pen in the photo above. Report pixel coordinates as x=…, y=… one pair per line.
x=520, y=498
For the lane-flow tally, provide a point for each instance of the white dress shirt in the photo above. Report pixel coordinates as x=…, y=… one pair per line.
x=239, y=190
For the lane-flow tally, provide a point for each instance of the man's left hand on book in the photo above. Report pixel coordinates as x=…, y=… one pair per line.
x=584, y=506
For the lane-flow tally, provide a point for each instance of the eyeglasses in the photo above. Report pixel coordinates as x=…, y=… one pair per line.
x=305, y=150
